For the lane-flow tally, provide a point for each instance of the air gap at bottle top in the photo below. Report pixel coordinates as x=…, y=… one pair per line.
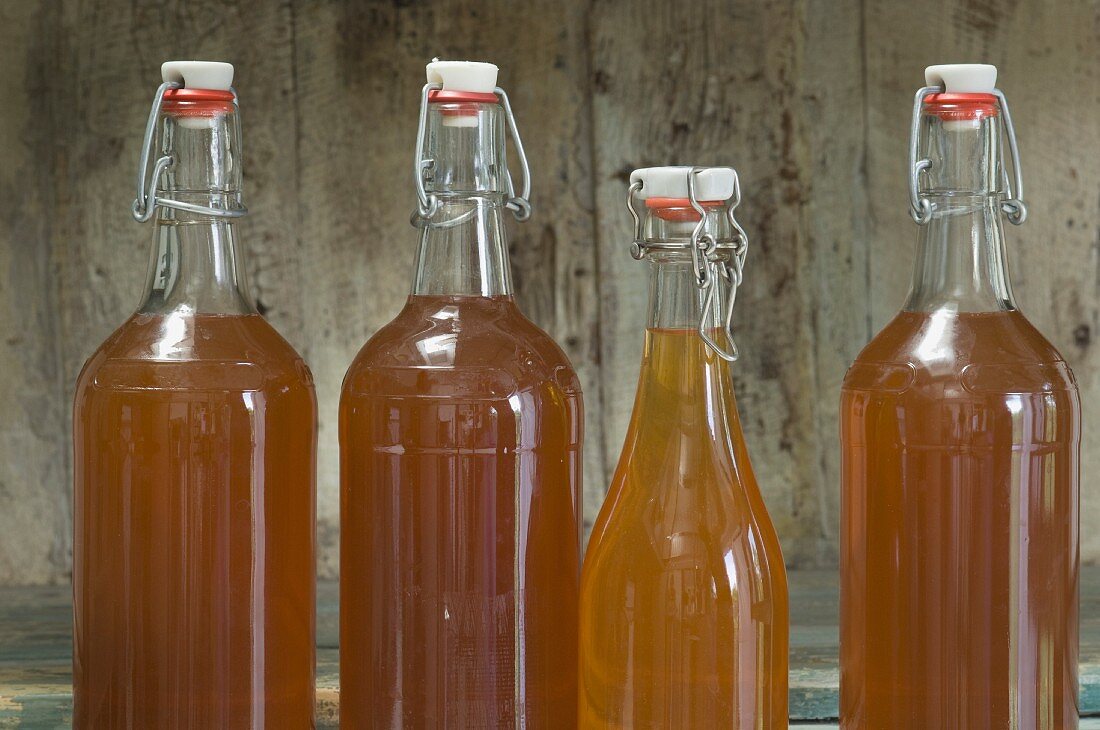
x=960, y=433
x=194, y=436
x=460, y=443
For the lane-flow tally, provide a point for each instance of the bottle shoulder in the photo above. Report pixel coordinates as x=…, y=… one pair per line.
x=951, y=346
x=197, y=351
x=654, y=500
x=450, y=336
x=647, y=531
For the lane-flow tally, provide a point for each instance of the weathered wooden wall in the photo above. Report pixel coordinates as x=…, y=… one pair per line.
x=809, y=99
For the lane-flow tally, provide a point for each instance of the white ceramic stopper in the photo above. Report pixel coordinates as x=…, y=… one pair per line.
x=962, y=78
x=214, y=75
x=712, y=183
x=472, y=76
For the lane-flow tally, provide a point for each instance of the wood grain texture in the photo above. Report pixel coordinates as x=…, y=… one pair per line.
x=34, y=506
x=810, y=100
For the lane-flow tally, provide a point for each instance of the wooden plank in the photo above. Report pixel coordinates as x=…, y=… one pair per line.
x=834, y=251
x=710, y=84
x=1048, y=60
x=34, y=505
x=360, y=68
x=35, y=631
x=329, y=94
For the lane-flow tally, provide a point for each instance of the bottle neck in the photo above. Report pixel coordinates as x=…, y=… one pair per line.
x=463, y=249
x=677, y=305
x=961, y=259
x=675, y=299
x=196, y=263
x=682, y=378
x=463, y=244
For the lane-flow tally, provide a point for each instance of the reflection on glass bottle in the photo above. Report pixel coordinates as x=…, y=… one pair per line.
x=194, y=437
x=683, y=593
x=960, y=430
x=460, y=438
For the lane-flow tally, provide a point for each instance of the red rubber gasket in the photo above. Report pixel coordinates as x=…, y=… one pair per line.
x=439, y=96
x=197, y=102
x=678, y=209
x=960, y=107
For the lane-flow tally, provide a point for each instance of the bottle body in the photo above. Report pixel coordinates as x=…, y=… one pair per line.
x=460, y=430
x=194, y=431
x=959, y=553
x=193, y=570
x=960, y=435
x=684, y=605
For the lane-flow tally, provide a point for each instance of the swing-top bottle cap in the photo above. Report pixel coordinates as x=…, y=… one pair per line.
x=205, y=91
x=209, y=75
x=200, y=95
x=967, y=94
x=962, y=78
x=471, y=77
x=712, y=184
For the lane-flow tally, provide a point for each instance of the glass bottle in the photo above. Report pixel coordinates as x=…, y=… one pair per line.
x=960, y=431
x=194, y=440
x=683, y=594
x=460, y=442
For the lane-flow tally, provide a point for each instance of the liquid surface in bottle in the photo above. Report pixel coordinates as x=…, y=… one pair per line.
x=959, y=555
x=460, y=428
x=684, y=615
x=194, y=571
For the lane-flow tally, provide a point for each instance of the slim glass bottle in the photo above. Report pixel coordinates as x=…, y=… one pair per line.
x=194, y=438
x=960, y=430
x=460, y=438
x=683, y=594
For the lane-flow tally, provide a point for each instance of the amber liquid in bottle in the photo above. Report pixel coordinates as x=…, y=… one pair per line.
x=460, y=469
x=960, y=524
x=193, y=566
x=460, y=439
x=960, y=427
x=194, y=570
x=684, y=608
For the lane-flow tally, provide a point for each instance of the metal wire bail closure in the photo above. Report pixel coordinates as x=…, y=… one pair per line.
x=427, y=203
x=920, y=208
x=1013, y=205
x=147, y=200
x=707, y=264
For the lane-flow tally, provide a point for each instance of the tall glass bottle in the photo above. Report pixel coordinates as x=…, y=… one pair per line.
x=960, y=430
x=460, y=439
x=683, y=594
x=194, y=439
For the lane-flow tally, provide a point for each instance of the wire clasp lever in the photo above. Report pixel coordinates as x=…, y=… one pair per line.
x=428, y=203
x=920, y=208
x=147, y=200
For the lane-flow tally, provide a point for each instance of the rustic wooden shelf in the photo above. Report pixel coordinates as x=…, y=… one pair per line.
x=35, y=636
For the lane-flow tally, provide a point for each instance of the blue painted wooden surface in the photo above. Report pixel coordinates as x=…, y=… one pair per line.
x=35, y=636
